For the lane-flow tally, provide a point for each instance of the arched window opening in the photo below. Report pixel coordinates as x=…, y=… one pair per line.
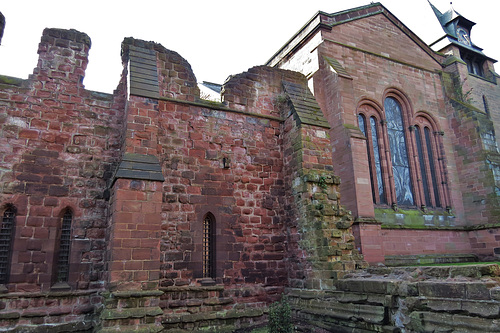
x=63, y=255
x=405, y=164
x=423, y=168
x=376, y=160
x=398, y=149
x=6, y=240
x=432, y=167
x=362, y=127
x=209, y=246
x=370, y=125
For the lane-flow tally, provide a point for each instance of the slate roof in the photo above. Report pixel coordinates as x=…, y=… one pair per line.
x=139, y=166
x=337, y=67
x=305, y=105
x=213, y=86
x=143, y=72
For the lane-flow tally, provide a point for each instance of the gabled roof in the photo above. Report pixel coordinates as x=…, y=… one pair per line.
x=322, y=20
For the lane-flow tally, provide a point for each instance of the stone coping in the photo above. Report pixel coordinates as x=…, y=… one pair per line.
x=46, y=294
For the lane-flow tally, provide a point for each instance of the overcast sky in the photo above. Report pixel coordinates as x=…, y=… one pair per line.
x=218, y=38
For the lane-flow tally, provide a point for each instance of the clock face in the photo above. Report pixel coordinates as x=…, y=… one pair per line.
x=463, y=36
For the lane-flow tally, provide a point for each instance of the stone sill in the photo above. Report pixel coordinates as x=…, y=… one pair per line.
x=51, y=293
x=192, y=288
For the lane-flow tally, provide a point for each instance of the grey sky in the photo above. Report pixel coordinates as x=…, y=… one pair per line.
x=218, y=38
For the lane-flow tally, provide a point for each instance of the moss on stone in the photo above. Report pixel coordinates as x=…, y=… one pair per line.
x=4, y=79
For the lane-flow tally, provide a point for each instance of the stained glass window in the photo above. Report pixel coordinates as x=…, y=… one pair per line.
x=362, y=127
x=423, y=169
x=376, y=158
x=399, y=154
x=435, y=184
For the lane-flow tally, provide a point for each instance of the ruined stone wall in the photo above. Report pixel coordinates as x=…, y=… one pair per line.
x=424, y=299
x=59, y=144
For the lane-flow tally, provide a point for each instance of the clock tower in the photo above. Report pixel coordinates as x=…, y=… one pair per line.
x=457, y=41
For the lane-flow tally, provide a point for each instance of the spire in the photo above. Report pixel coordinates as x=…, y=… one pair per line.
x=448, y=18
x=438, y=14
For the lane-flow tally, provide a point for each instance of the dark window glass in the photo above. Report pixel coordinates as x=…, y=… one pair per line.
x=209, y=246
x=399, y=155
x=432, y=166
x=6, y=236
x=423, y=169
x=362, y=127
x=476, y=68
x=64, y=248
x=485, y=103
x=376, y=157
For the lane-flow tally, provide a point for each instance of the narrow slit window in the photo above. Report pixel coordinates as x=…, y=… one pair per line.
x=423, y=169
x=62, y=274
x=435, y=185
x=376, y=157
x=362, y=127
x=6, y=236
x=486, y=107
x=209, y=246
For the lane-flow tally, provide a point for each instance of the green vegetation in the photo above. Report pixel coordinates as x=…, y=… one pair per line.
x=280, y=317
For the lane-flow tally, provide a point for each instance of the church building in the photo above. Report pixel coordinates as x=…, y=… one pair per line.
x=412, y=130
x=160, y=208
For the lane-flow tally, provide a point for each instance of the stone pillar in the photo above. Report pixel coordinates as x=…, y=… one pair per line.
x=132, y=300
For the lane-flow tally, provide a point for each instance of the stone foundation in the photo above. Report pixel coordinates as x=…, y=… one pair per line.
x=416, y=299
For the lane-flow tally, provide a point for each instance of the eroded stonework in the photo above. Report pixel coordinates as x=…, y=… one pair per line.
x=152, y=209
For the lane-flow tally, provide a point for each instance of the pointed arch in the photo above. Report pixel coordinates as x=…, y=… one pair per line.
x=369, y=122
x=7, y=232
x=63, y=247
x=398, y=115
x=431, y=161
x=411, y=170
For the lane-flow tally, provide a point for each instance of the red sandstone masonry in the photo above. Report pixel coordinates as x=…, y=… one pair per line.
x=61, y=142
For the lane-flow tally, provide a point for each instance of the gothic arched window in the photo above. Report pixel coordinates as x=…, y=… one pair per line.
x=6, y=240
x=371, y=132
x=431, y=174
x=64, y=248
x=406, y=169
x=399, y=153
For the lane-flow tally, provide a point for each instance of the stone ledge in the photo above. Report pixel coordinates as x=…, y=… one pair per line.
x=66, y=293
x=224, y=315
x=81, y=326
x=145, y=328
x=473, y=271
x=136, y=293
x=109, y=314
x=191, y=288
x=422, y=321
